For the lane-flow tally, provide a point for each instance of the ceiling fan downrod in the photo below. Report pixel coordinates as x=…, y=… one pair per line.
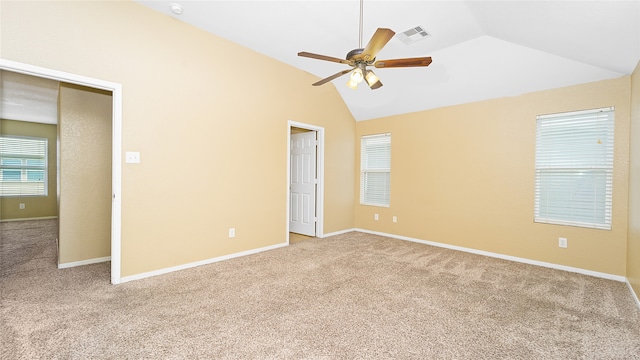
x=360, y=33
x=360, y=49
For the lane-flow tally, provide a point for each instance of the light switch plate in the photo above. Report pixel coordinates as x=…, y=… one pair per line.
x=132, y=157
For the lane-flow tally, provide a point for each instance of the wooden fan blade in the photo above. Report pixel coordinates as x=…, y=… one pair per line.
x=324, y=57
x=408, y=62
x=377, y=42
x=334, y=76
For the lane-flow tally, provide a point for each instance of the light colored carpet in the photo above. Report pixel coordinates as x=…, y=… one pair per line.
x=351, y=296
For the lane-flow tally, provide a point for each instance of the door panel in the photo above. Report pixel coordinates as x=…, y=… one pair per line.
x=302, y=218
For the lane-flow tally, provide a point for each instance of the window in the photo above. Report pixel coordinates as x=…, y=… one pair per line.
x=23, y=166
x=574, y=168
x=375, y=169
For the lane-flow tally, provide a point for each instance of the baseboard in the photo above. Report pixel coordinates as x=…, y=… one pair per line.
x=338, y=233
x=198, y=263
x=84, y=262
x=29, y=219
x=633, y=293
x=503, y=257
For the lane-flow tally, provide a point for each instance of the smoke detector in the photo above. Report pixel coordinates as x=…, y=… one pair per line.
x=176, y=8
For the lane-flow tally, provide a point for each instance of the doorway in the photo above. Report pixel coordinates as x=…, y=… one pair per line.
x=116, y=124
x=305, y=179
x=302, y=183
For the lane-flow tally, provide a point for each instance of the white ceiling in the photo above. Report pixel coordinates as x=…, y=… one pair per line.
x=480, y=49
x=28, y=98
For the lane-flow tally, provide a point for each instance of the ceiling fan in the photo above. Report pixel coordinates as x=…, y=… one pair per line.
x=358, y=59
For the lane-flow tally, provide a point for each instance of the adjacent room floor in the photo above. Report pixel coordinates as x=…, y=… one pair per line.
x=294, y=238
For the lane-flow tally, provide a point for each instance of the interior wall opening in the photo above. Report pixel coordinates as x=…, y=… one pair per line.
x=76, y=122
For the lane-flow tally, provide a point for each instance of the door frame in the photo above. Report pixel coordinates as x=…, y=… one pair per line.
x=319, y=174
x=116, y=158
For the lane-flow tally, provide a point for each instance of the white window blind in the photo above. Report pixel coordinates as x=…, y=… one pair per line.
x=23, y=166
x=375, y=169
x=574, y=168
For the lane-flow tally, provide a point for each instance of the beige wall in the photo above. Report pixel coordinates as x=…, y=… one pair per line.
x=197, y=108
x=85, y=173
x=464, y=176
x=35, y=206
x=633, y=244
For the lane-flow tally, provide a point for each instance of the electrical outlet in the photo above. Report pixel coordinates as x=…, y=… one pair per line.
x=21, y=206
x=562, y=242
x=232, y=232
x=395, y=219
x=376, y=217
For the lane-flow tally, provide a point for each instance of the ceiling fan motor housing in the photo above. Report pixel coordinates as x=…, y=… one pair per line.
x=353, y=53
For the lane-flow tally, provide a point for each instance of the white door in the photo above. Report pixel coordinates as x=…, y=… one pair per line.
x=302, y=219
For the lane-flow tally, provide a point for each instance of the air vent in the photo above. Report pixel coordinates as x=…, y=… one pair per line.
x=412, y=35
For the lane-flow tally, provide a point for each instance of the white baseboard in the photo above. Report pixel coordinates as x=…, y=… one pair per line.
x=29, y=219
x=503, y=257
x=198, y=263
x=633, y=293
x=84, y=262
x=338, y=233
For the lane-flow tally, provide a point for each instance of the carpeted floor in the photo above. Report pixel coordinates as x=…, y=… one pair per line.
x=351, y=296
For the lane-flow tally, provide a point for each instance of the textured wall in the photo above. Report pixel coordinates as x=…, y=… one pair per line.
x=85, y=174
x=464, y=175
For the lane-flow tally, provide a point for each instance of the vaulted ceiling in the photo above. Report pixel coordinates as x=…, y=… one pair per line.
x=480, y=49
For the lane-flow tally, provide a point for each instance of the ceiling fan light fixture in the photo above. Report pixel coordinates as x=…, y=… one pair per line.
x=352, y=84
x=372, y=80
x=357, y=76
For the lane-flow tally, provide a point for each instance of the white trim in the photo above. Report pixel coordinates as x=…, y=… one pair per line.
x=633, y=293
x=116, y=161
x=84, y=262
x=116, y=187
x=503, y=257
x=30, y=219
x=340, y=232
x=199, y=263
x=579, y=112
x=320, y=174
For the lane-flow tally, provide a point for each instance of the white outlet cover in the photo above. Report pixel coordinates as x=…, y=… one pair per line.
x=562, y=242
